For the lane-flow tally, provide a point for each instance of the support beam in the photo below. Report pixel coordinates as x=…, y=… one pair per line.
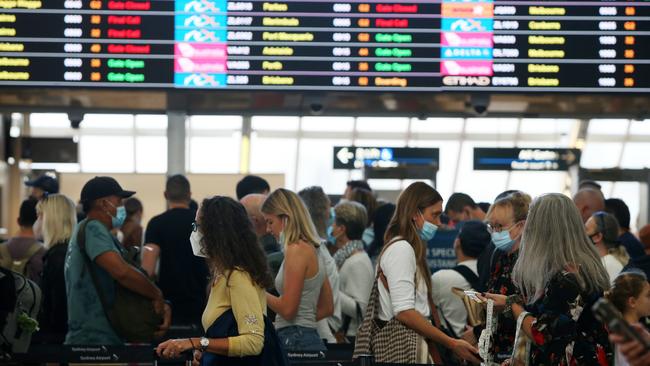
x=176, y=143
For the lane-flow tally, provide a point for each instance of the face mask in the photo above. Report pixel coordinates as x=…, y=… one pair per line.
x=502, y=240
x=331, y=239
x=428, y=230
x=195, y=239
x=120, y=215
x=332, y=217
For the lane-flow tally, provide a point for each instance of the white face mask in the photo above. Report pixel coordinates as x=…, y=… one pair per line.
x=195, y=238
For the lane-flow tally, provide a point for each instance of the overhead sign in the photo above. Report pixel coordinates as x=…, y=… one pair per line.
x=525, y=159
x=352, y=157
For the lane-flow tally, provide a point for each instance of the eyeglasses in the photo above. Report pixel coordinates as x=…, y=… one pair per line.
x=498, y=228
x=195, y=226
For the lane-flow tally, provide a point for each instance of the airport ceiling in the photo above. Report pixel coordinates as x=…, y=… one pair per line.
x=354, y=104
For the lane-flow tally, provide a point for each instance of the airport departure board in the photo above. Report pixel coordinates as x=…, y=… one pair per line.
x=356, y=45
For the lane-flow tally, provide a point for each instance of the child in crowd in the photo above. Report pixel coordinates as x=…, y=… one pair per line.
x=630, y=294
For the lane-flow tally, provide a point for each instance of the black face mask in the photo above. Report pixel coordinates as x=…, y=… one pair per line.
x=591, y=237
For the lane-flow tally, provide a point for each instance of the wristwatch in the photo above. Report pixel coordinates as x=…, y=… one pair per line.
x=204, y=342
x=510, y=300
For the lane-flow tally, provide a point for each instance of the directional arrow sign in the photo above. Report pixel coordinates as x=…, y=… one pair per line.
x=345, y=156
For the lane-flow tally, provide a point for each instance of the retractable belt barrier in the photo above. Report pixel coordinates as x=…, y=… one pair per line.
x=336, y=355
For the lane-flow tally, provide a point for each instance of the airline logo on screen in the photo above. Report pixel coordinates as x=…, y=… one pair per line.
x=467, y=42
x=200, y=52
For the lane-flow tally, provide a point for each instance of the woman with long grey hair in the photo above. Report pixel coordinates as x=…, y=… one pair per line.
x=560, y=276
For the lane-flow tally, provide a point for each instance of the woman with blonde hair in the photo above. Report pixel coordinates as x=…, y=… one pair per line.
x=305, y=292
x=401, y=293
x=58, y=216
x=506, y=219
x=560, y=275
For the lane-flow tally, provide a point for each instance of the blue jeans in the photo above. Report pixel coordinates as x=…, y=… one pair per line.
x=297, y=338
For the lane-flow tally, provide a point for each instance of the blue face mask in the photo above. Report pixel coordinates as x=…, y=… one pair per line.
x=428, y=230
x=118, y=220
x=331, y=239
x=502, y=240
x=332, y=217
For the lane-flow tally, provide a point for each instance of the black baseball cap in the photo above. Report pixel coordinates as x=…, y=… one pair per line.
x=46, y=183
x=100, y=187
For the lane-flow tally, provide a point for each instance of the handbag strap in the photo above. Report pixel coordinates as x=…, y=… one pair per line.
x=81, y=242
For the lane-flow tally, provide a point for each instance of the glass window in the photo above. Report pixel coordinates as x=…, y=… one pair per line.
x=151, y=121
x=630, y=193
x=544, y=125
x=274, y=155
x=216, y=122
x=537, y=183
x=215, y=154
x=334, y=124
x=601, y=154
x=448, y=152
x=275, y=123
x=447, y=125
x=151, y=154
x=607, y=126
x=382, y=124
x=315, y=165
x=640, y=127
x=110, y=154
x=107, y=121
x=635, y=155
x=491, y=182
x=49, y=120
x=491, y=125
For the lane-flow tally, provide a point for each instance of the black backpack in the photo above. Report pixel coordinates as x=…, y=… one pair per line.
x=20, y=301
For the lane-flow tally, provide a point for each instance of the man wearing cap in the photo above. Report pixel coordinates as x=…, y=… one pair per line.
x=472, y=239
x=42, y=186
x=87, y=323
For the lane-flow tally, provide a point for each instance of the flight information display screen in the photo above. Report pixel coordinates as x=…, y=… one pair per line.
x=391, y=45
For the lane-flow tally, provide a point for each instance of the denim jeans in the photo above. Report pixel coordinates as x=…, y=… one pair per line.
x=297, y=338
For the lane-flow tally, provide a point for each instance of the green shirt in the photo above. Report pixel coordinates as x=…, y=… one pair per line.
x=87, y=322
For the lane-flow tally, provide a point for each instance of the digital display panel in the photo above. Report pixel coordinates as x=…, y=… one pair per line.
x=355, y=45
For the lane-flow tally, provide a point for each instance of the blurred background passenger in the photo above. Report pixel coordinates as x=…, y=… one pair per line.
x=602, y=229
x=132, y=228
x=59, y=218
x=318, y=204
x=355, y=268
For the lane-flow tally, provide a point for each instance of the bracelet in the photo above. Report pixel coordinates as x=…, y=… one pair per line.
x=192, y=343
x=510, y=300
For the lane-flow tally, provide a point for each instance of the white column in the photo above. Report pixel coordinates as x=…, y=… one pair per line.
x=176, y=142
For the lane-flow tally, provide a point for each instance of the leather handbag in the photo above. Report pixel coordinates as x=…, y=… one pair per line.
x=475, y=310
x=132, y=315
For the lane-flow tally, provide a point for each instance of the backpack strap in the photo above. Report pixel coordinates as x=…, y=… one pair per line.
x=468, y=275
x=81, y=242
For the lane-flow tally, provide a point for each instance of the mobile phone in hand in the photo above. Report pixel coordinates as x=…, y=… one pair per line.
x=606, y=312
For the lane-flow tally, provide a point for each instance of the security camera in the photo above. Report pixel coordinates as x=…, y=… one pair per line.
x=75, y=118
x=316, y=109
x=479, y=103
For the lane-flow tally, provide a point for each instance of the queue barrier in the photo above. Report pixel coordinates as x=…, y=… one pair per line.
x=336, y=355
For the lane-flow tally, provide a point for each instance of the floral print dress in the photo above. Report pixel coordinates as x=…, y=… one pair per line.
x=565, y=332
x=500, y=282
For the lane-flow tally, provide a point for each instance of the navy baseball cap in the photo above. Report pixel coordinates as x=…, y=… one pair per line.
x=46, y=183
x=100, y=187
x=474, y=237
